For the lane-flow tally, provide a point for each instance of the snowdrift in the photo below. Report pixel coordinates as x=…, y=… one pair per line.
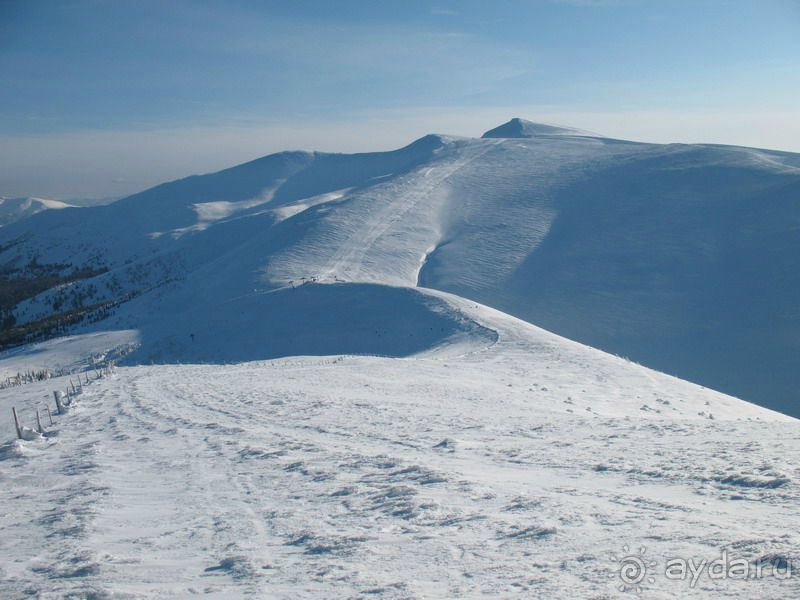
x=312, y=319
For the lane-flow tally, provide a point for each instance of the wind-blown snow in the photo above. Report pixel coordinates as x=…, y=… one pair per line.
x=16, y=209
x=520, y=128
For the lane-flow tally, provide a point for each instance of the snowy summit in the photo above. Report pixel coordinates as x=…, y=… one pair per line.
x=14, y=209
x=520, y=128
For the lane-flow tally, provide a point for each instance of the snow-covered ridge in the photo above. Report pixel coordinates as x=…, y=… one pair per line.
x=15, y=209
x=681, y=257
x=520, y=128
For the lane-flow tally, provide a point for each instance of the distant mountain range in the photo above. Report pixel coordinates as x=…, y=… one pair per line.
x=14, y=209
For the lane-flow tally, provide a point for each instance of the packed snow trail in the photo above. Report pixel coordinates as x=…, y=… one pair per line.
x=321, y=477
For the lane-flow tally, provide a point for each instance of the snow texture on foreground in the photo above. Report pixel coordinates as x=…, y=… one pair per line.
x=523, y=469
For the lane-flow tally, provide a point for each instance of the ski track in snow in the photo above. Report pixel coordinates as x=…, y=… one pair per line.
x=370, y=239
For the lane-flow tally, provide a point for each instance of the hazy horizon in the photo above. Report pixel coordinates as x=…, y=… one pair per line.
x=106, y=99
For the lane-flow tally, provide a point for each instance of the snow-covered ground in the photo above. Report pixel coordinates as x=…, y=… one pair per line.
x=524, y=467
x=66, y=354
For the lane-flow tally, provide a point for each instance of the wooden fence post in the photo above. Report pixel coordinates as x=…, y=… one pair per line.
x=39, y=427
x=59, y=406
x=17, y=424
x=49, y=416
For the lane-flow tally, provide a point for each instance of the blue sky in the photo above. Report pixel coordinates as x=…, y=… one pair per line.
x=102, y=98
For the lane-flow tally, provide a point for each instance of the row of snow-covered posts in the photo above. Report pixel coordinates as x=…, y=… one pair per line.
x=26, y=377
x=63, y=401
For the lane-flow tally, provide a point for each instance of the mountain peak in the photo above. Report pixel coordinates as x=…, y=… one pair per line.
x=16, y=209
x=520, y=128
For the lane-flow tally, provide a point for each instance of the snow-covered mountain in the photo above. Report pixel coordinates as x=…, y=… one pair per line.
x=14, y=209
x=334, y=385
x=520, y=128
x=682, y=257
x=503, y=462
